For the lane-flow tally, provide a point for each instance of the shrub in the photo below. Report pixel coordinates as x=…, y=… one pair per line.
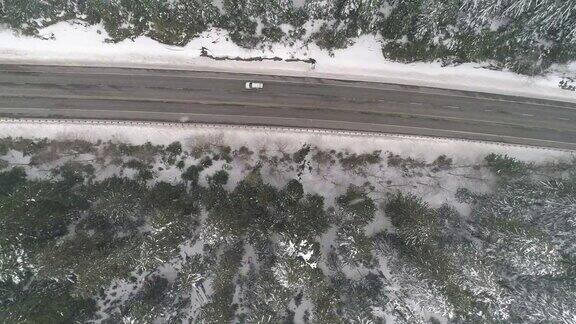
x=357, y=203
x=294, y=190
x=354, y=161
x=35, y=212
x=192, y=174
x=331, y=37
x=45, y=301
x=164, y=195
x=272, y=33
x=73, y=172
x=416, y=223
x=301, y=154
x=154, y=288
x=10, y=180
x=206, y=162
x=219, y=178
x=419, y=235
x=118, y=206
x=221, y=309
x=26, y=146
x=504, y=165
x=174, y=148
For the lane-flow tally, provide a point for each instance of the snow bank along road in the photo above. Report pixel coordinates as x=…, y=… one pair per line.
x=215, y=97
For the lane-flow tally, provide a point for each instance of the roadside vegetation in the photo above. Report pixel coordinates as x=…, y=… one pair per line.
x=524, y=36
x=205, y=232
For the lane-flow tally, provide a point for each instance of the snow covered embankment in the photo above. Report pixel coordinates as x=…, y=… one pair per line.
x=74, y=43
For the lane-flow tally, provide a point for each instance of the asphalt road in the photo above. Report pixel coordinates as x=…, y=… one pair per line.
x=214, y=97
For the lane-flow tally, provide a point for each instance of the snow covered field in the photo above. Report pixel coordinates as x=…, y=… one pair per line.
x=77, y=44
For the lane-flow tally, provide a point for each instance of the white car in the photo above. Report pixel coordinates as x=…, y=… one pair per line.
x=254, y=85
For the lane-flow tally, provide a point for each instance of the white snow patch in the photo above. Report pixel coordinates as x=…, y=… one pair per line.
x=302, y=249
x=16, y=158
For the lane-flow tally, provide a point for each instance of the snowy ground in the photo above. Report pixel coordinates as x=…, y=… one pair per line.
x=463, y=152
x=74, y=43
x=356, y=142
